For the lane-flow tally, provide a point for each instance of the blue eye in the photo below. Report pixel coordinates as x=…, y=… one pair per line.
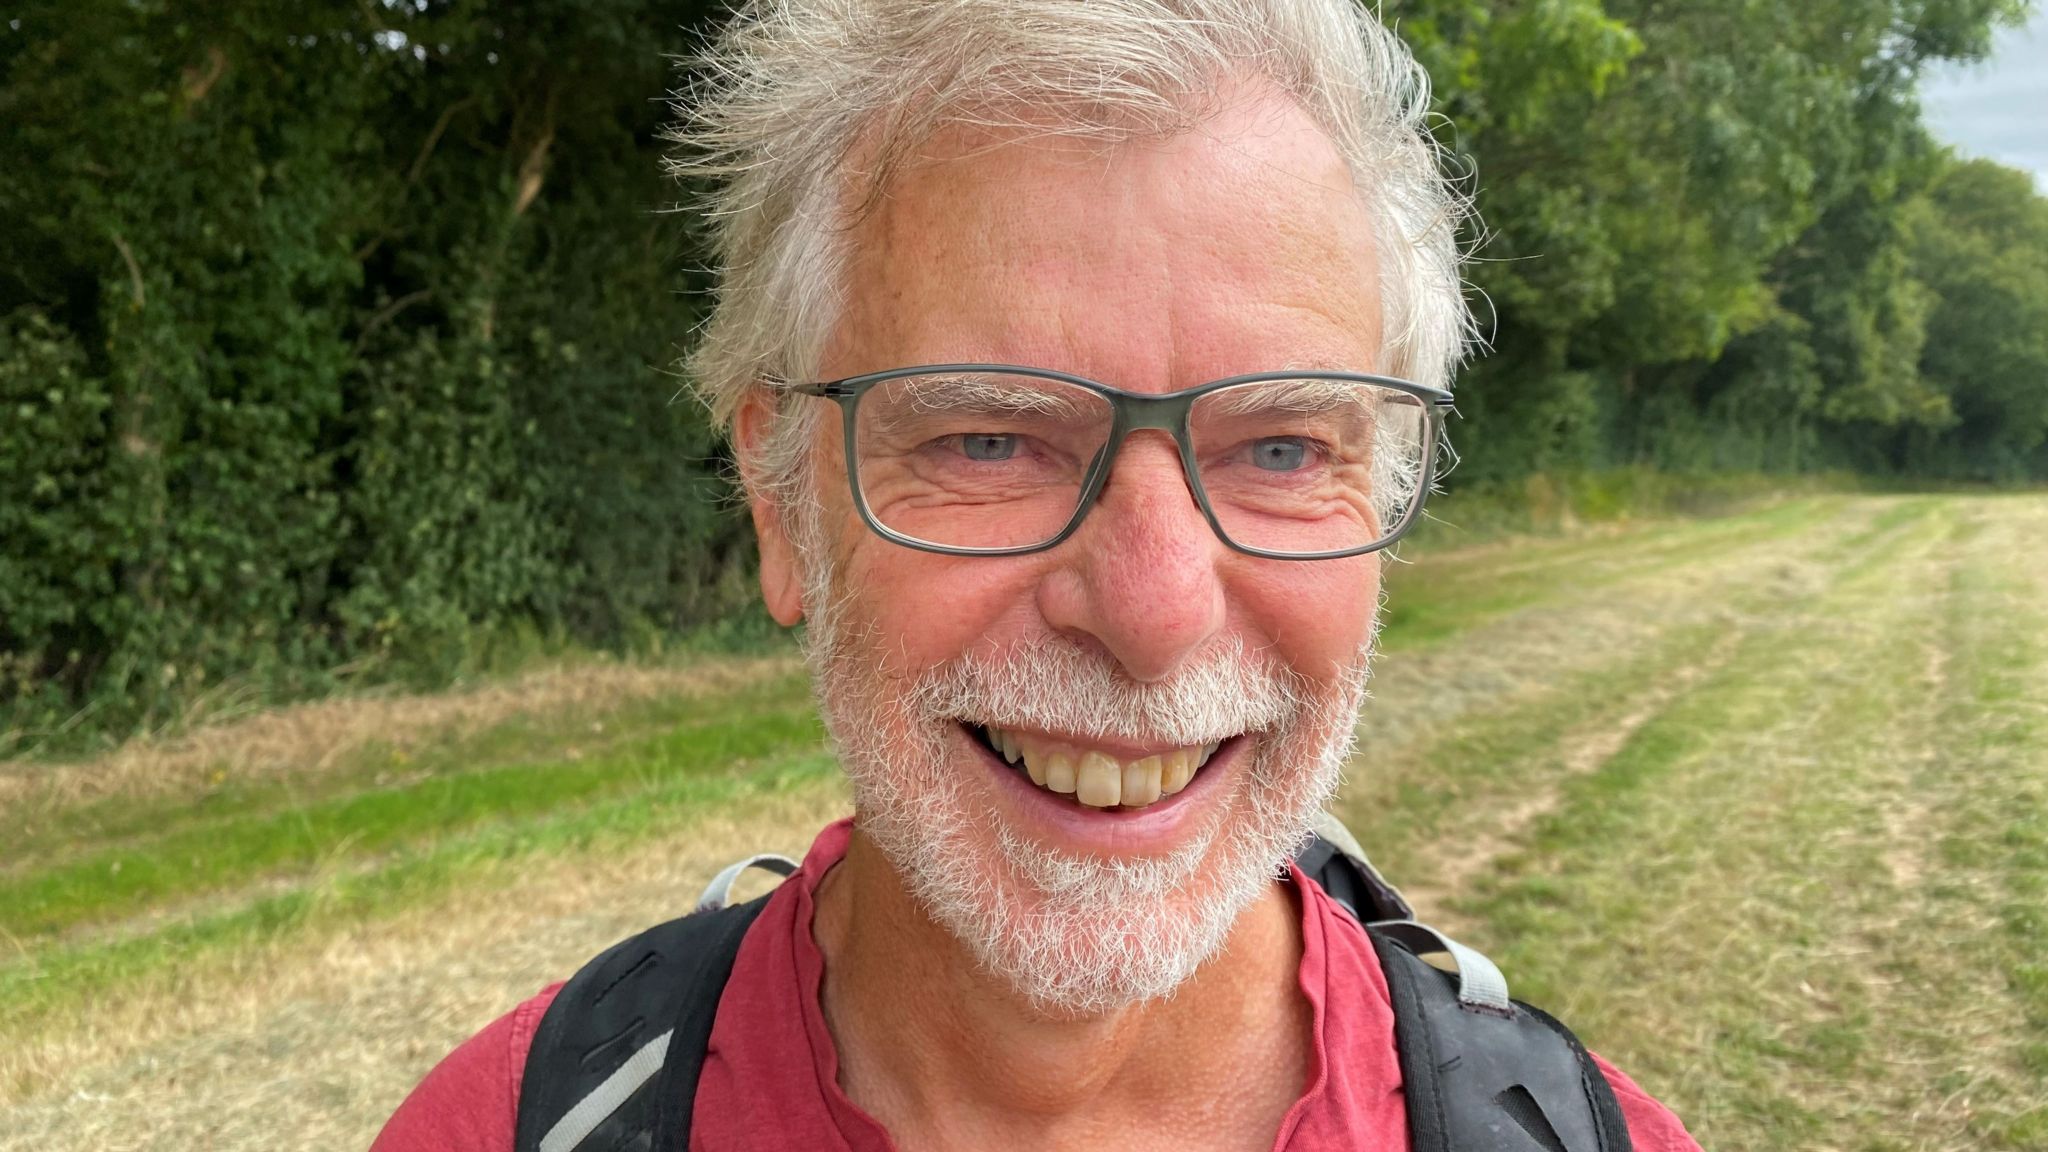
x=1279, y=453
x=988, y=446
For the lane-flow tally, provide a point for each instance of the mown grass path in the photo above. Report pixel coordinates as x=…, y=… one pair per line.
x=1758, y=803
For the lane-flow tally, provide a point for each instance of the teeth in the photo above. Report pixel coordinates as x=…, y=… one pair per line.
x=1141, y=781
x=1034, y=766
x=1059, y=773
x=1098, y=782
x=1175, y=770
x=1097, y=779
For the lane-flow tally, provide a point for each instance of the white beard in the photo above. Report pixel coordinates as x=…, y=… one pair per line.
x=1077, y=935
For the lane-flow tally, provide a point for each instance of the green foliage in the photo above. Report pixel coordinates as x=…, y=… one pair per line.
x=1979, y=241
x=49, y=478
x=1696, y=252
x=333, y=334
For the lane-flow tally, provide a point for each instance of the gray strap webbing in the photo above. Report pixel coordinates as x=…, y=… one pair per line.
x=1480, y=984
x=719, y=892
x=580, y=1121
x=1333, y=830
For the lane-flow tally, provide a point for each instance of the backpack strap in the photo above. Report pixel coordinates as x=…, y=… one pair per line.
x=1482, y=1073
x=1334, y=860
x=639, y=1013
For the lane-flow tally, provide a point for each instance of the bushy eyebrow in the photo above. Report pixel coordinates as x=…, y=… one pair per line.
x=980, y=394
x=988, y=393
x=1289, y=396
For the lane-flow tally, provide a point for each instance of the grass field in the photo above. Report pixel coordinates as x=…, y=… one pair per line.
x=1758, y=803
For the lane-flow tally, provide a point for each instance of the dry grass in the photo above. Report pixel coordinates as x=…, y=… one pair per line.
x=1553, y=691
x=1749, y=811
x=1450, y=865
x=1791, y=902
x=320, y=1037
x=304, y=741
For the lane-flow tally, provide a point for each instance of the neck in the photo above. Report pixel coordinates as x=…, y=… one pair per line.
x=945, y=1054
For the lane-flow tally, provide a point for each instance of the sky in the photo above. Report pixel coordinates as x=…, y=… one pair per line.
x=1997, y=109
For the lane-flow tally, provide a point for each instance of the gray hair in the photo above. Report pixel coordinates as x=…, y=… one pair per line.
x=792, y=88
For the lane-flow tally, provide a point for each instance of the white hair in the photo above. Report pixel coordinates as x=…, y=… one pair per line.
x=1080, y=935
x=791, y=88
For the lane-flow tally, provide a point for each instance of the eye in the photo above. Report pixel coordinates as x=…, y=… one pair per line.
x=1280, y=453
x=988, y=446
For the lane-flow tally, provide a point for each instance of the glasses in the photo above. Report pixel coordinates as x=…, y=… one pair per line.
x=997, y=460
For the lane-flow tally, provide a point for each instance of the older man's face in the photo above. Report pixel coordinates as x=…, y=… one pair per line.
x=1239, y=247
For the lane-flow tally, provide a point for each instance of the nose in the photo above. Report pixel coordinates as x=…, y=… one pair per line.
x=1141, y=577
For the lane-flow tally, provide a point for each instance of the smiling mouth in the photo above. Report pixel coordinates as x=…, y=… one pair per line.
x=1092, y=777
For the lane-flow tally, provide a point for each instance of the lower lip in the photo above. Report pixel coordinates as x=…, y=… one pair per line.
x=1156, y=828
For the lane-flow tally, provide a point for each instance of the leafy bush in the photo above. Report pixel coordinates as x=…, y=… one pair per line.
x=334, y=335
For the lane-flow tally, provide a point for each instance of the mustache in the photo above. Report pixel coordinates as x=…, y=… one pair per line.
x=1054, y=684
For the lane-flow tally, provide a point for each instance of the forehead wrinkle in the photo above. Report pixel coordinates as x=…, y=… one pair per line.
x=1119, y=268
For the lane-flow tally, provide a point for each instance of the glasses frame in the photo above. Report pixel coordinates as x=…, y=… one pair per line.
x=1131, y=412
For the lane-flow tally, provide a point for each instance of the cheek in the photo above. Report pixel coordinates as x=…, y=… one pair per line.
x=934, y=608
x=1317, y=614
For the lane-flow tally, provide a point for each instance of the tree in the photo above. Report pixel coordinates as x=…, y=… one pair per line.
x=334, y=333
x=1665, y=185
x=1979, y=241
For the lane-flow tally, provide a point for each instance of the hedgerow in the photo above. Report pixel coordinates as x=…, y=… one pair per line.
x=336, y=336
x=333, y=336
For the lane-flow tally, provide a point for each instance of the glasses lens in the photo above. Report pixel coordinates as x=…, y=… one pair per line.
x=976, y=459
x=1310, y=466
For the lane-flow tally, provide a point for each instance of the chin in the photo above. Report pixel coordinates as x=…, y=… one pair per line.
x=1085, y=904
x=1070, y=929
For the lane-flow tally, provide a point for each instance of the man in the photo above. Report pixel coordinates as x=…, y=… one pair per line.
x=1089, y=612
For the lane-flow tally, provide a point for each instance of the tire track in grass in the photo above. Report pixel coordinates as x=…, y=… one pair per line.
x=1481, y=844
x=1561, y=688
x=1720, y=907
x=1442, y=597
x=317, y=1030
x=1603, y=810
x=1990, y=784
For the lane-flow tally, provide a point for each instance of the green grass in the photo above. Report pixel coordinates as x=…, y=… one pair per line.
x=65, y=976
x=1739, y=903
x=1428, y=610
x=1552, y=502
x=41, y=839
x=235, y=847
x=1757, y=802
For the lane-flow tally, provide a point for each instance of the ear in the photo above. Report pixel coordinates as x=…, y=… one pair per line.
x=782, y=586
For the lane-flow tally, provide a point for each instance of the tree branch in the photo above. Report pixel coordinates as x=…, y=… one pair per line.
x=534, y=170
x=134, y=271
x=419, y=168
x=384, y=316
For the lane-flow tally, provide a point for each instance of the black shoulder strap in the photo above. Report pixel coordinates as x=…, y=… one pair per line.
x=1507, y=1079
x=1485, y=1081
x=640, y=1012
x=1477, y=1080
x=1335, y=862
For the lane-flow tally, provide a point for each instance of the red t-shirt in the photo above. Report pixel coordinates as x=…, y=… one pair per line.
x=762, y=1050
